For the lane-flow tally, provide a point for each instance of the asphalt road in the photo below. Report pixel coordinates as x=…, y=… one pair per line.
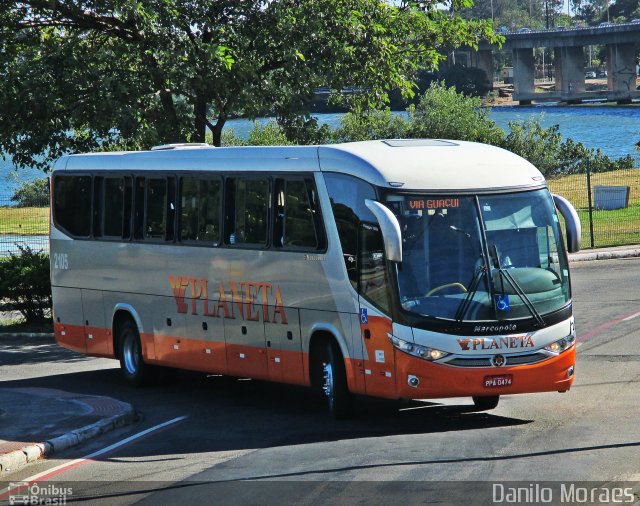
x=248, y=442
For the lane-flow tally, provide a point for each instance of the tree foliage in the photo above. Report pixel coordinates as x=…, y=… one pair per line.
x=32, y=194
x=78, y=75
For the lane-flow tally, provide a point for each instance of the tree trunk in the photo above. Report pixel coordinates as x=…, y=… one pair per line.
x=200, y=113
x=217, y=130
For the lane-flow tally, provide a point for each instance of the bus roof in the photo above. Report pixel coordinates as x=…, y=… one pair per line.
x=408, y=164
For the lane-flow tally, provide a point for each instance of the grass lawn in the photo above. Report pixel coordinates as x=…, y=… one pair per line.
x=24, y=220
x=610, y=228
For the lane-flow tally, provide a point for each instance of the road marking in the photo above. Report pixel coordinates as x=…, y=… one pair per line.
x=606, y=325
x=87, y=458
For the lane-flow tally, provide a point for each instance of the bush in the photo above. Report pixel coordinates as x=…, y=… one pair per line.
x=25, y=284
x=32, y=194
x=269, y=134
x=371, y=125
x=443, y=113
x=553, y=156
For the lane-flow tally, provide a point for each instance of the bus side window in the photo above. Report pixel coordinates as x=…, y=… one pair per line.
x=159, y=208
x=138, y=216
x=200, y=200
x=373, y=282
x=116, y=208
x=347, y=195
x=72, y=204
x=247, y=213
x=296, y=224
x=96, y=207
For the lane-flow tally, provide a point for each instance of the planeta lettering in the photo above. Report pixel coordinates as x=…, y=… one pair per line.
x=496, y=343
x=245, y=300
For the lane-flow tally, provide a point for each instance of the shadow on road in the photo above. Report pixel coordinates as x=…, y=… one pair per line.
x=231, y=414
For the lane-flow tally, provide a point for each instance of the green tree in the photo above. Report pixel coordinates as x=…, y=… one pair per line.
x=78, y=75
x=32, y=194
x=443, y=113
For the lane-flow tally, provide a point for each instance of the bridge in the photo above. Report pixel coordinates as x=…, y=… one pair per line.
x=568, y=47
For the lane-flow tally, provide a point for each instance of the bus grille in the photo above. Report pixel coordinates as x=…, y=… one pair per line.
x=529, y=358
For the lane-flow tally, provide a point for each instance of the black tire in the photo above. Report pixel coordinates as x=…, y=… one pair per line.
x=134, y=369
x=486, y=403
x=334, y=382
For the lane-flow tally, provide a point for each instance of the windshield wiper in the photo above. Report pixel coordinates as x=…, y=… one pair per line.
x=504, y=273
x=473, y=288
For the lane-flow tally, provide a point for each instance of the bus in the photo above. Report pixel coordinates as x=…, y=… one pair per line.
x=400, y=269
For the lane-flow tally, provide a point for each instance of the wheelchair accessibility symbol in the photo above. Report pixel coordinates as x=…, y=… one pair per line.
x=502, y=303
x=364, y=318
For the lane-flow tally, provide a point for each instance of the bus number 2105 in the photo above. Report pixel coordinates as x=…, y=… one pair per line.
x=60, y=261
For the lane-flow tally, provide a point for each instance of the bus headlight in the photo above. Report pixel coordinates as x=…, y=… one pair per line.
x=562, y=344
x=416, y=350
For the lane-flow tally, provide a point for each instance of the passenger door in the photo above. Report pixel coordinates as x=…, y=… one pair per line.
x=375, y=303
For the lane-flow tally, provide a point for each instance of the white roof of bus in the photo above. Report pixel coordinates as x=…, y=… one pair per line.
x=407, y=164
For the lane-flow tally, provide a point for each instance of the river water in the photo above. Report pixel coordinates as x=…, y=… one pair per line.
x=613, y=129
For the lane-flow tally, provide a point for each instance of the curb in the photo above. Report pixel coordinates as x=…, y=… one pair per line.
x=604, y=255
x=17, y=459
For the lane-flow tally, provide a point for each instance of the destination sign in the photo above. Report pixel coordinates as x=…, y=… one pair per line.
x=433, y=203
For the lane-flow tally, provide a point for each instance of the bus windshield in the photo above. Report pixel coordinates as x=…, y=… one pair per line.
x=479, y=258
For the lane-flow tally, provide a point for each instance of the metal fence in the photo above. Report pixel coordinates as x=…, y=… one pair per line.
x=24, y=225
x=608, y=204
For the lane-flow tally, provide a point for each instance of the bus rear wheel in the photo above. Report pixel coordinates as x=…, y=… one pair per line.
x=134, y=369
x=334, y=382
x=486, y=403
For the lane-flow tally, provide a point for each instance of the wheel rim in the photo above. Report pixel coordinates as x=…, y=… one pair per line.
x=130, y=354
x=327, y=387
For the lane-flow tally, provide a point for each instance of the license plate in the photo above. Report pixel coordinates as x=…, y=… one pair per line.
x=505, y=380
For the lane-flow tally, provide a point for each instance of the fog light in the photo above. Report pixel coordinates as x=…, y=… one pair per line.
x=570, y=372
x=413, y=381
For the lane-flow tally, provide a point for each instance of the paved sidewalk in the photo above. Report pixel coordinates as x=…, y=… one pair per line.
x=606, y=253
x=38, y=422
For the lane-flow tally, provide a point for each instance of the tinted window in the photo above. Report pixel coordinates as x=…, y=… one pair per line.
x=72, y=204
x=156, y=205
x=347, y=195
x=373, y=282
x=296, y=220
x=248, y=209
x=114, y=214
x=200, y=210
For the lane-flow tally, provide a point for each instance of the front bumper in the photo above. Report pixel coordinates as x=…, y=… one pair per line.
x=438, y=380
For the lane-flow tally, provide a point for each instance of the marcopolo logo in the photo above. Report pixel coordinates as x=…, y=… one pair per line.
x=496, y=343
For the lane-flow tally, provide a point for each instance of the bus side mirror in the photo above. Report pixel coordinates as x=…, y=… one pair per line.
x=390, y=229
x=572, y=223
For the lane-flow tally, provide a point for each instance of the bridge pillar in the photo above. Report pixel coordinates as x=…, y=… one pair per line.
x=523, y=73
x=621, y=71
x=484, y=61
x=569, y=67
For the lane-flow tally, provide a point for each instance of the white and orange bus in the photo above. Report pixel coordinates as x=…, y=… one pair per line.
x=403, y=269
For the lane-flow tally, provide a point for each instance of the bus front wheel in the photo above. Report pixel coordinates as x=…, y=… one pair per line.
x=486, y=403
x=134, y=369
x=334, y=382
